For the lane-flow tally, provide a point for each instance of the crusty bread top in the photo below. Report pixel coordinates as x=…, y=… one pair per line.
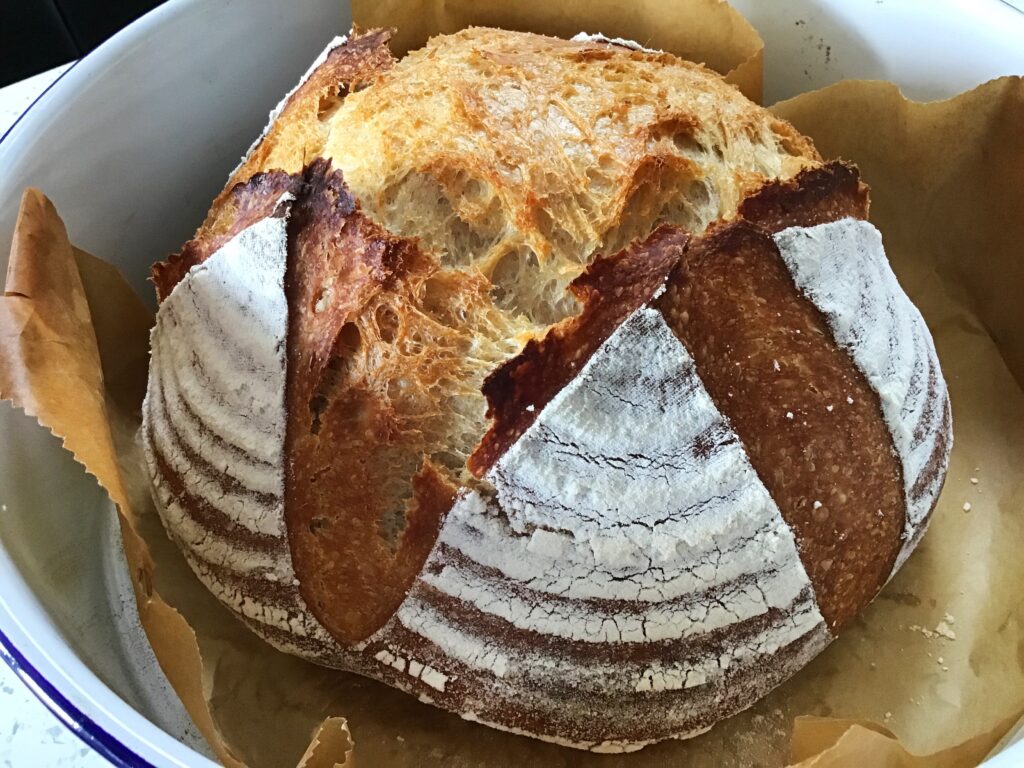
x=522, y=155
x=807, y=416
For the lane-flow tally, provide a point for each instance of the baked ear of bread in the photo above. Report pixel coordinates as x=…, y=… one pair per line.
x=553, y=382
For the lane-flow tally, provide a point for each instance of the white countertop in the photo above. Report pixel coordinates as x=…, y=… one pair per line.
x=30, y=736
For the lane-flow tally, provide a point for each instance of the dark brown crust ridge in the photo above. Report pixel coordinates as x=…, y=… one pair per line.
x=610, y=290
x=814, y=196
x=250, y=195
x=807, y=416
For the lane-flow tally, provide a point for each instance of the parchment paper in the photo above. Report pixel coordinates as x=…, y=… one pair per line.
x=706, y=31
x=936, y=662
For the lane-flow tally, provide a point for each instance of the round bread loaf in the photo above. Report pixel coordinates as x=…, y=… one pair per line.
x=551, y=381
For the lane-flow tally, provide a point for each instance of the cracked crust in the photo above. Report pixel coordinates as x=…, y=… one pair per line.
x=808, y=418
x=347, y=437
x=289, y=143
x=239, y=208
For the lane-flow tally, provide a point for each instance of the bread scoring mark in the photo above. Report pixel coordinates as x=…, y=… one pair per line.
x=270, y=167
x=766, y=356
x=842, y=268
x=377, y=375
x=242, y=206
x=610, y=289
x=213, y=441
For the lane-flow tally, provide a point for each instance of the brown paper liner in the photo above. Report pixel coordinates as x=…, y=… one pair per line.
x=73, y=354
x=937, y=658
x=827, y=743
x=706, y=31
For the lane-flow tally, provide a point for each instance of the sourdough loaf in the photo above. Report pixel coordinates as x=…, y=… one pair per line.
x=551, y=381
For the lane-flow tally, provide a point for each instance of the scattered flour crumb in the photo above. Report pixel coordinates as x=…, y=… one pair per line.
x=775, y=365
x=849, y=400
x=967, y=506
x=530, y=408
x=888, y=715
x=789, y=415
x=817, y=505
x=942, y=629
x=974, y=481
x=948, y=618
x=829, y=408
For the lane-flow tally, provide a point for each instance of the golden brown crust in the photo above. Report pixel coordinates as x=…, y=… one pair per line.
x=523, y=156
x=344, y=441
x=299, y=130
x=610, y=289
x=810, y=422
x=288, y=146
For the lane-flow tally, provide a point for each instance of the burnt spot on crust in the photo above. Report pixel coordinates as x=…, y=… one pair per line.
x=814, y=196
x=610, y=290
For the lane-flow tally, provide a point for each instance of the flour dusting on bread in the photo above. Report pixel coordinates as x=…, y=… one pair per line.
x=843, y=269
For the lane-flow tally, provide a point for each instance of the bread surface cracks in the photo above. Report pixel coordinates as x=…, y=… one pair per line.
x=513, y=161
x=524, y=157
x=387, y=352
